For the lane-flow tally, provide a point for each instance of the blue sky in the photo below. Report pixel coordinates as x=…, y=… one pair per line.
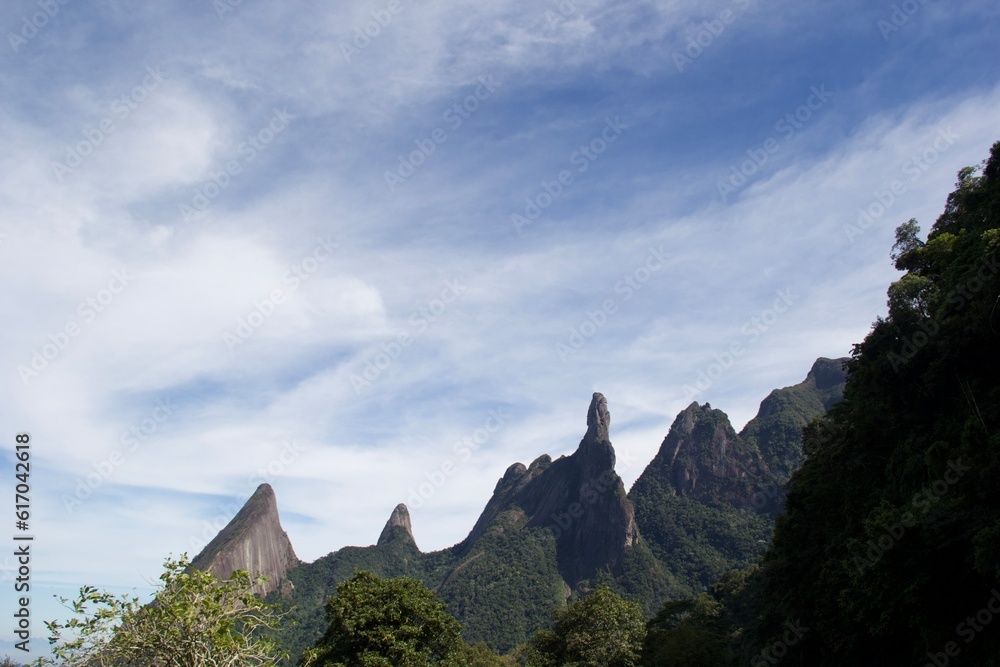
x=248, y=242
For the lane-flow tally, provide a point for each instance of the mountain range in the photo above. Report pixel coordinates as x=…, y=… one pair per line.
x=554, y=529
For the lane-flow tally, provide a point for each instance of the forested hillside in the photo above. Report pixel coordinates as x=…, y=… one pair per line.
x=555, y=530
x=889, y=551
x=707, y=501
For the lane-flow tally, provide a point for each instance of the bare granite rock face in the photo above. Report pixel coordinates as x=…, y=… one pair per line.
x=397, y=527
x=579, y=497
x=704, y=459
x=252, y=541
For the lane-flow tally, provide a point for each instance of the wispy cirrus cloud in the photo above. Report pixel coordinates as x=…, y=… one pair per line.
x=562, y=69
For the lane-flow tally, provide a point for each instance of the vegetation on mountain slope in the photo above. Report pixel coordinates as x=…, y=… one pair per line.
x=889, y=551
x=891, y=543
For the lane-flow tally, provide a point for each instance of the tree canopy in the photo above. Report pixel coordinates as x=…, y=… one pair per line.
x=194, y=620
x=599, y=630
x=376, y=622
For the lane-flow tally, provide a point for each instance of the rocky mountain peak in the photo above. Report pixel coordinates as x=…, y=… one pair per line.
x=703, y=458
x=598, y=419
x=580, y=498
x=595, y=453
x=254, y=541
x=827, y=373
x=689, y=416
x=398, y=526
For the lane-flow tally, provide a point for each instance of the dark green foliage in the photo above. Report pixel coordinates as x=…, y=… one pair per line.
x=481, y=656
x=688, y=633
x=194, y=620
x=506, y=587
x=647, y=580
x=396, y=622
x=777, y=428
x=699, y=542
x=599, y=630
x=726, y=522
x=892, y=538
x=315, y=582
x=501, y=591
x=504, y=580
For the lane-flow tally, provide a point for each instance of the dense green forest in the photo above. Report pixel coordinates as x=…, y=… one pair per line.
x=890, y=546
x=889, y=550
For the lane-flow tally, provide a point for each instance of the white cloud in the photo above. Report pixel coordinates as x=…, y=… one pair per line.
x=491, y=347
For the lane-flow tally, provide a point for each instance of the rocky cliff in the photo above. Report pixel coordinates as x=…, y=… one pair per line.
x=706, y=501
x=252, y=541
x=777, y=428
x=579, y=498
x=397, y=527
x=702, y=458
x=556, y=528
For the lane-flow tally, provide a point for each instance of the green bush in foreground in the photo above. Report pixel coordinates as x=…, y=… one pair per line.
x=600, y=630
x=396, y=622
x=195, y=620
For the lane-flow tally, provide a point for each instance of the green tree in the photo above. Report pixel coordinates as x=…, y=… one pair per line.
x=195, y=620
x=688, y=633
x=481, y=656
x=396, y=622
x=891, y=534
x=600, y=630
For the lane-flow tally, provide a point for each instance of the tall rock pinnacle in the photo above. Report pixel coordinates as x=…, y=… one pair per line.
x=598, y=419
x=252, y=541
x=580, y=498
x=595, y=452
x=397, y=526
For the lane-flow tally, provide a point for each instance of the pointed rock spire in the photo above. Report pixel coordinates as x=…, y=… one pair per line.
x=397, y=525
x=595, y=452
x=598, y=419
x=252, y=541
x=579, y=497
